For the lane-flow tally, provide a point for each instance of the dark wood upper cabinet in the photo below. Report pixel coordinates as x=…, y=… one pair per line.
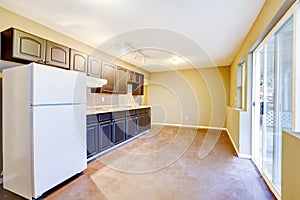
x=57, y=55
x=94, y=67
x=78, y=61
x=108, y=73
x=22, y=47
x=131, y=77
x=121, y=80
x=138, y=89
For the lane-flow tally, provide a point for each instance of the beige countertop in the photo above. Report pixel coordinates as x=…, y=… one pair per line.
x=99, y=110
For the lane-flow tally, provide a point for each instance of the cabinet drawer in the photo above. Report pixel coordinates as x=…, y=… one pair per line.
x=118, y=115
x=104, y=117
x=147, y=111
x=90, y=119
x=130, y=113
x=140, y=111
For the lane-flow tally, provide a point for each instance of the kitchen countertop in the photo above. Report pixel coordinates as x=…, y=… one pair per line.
x=99, y=110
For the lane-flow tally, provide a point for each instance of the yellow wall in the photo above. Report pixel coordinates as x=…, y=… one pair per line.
x=290, y=166
x=10, y=19
x=268, y=11
x=190, y=97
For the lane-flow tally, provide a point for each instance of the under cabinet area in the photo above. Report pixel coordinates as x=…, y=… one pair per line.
x=105, y=130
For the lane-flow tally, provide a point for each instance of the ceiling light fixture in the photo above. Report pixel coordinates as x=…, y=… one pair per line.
x=136, y=51
x=176, y=60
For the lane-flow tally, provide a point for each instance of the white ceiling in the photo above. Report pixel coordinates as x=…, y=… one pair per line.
x=204, y=33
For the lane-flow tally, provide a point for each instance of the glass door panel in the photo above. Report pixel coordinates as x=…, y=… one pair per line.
x=268, y=108
x=258, y=71
x=283, y=100
x=272, y=100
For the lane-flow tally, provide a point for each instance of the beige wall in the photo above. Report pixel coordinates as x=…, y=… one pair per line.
x=190, y=97
x=290, y=166
x=10, y=19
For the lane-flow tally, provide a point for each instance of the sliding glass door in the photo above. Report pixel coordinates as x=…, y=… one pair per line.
x=272, y=100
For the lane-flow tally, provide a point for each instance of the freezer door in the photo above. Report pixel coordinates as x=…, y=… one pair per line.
x=51, y=85
x=59, y=145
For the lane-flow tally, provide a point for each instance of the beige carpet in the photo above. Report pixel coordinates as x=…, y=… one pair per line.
x=169, y=163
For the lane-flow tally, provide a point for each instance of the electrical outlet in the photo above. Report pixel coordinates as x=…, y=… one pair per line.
x=102, y=99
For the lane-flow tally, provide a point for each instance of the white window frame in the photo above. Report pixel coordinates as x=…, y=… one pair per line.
x=294, y=12
x=241, y=85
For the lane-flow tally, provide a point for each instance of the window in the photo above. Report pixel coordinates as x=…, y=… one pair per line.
x=241, y=73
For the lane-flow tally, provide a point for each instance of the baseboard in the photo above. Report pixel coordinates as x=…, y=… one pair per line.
x=233, y=144
x=1, y=180
x=189, y=126
x=240, y=155
x=244, y=156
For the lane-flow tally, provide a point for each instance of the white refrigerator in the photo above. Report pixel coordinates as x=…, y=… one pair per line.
x=44, y=128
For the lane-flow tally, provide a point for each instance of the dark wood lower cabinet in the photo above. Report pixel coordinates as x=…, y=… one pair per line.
x=147, y=119
x=105, y=135
x=131, y=126
x=140, y=123
x=92, y=139
x=108, y=129
x=119, y=128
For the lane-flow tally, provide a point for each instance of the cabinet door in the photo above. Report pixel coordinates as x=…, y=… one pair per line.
x=105, y=133
x=140, y=123
x=92, y=139
x=121, y=80
x=94, y=67
x=108, y=73
x=131, y=126
x=119, y=131
x=28, y=47
x=78, y=61
x=148, y=119
x=57, y=55
x=131, y=77
x=139, y=88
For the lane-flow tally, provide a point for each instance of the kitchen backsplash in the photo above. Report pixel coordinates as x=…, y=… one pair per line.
x=114, y=100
